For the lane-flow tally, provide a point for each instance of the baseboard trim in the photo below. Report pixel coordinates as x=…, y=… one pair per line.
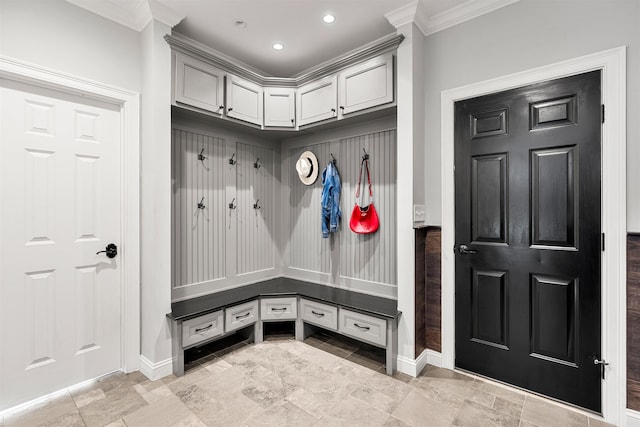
x=633, y=418
x=434, y=358
x=155, y=371
x=414, y=367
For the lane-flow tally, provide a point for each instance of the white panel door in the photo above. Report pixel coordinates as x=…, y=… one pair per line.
x=60, y=319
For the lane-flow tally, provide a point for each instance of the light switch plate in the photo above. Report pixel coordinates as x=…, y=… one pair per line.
x=419, y=213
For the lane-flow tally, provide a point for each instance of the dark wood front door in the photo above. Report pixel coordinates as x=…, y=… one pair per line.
x=527, y=183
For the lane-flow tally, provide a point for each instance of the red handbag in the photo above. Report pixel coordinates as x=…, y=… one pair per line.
x=364, y=219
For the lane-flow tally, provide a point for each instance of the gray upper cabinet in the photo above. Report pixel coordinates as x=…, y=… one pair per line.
x=279, y=107
x=335, y=91
x=317, y=101
x=198, y=84
x=366, y=85
x=244, y=100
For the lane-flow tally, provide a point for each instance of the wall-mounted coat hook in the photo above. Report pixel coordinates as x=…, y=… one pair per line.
x=201, y=156
x=257, y=164
x=201, y=204
x=232, y=204
x=255, y=205
x=365, y=156
x=231, y=161
x=333, y=159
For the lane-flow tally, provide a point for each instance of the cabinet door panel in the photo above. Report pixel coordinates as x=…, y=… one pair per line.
x=244, y=100
x=316, y=101
x=279, y=107
x=366, y=85
x=198, y=84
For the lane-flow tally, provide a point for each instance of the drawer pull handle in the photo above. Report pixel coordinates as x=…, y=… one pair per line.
x=317, y=314
x=244, y=316
x=278, y=309
x=206, y=328
x=364, y=328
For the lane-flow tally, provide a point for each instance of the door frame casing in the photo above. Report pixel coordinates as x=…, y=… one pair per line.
x=612, y=63
x=129, y=104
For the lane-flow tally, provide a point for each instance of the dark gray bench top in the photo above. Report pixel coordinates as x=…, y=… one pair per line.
x=284, y=286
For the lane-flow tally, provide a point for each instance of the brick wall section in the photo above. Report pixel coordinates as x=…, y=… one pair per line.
x=633, y=321
x=434, y=288
x=421, y=291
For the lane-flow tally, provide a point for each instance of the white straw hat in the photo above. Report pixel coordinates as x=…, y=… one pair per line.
x=307, y=167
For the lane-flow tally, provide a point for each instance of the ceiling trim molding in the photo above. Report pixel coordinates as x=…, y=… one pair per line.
x=414, y=13
x=218, y=59
x=403, y=15
x=164, y=14
x=382, y=45
x=457, y=15
x=136, y=15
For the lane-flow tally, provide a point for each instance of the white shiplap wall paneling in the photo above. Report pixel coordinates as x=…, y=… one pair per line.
x=198, y=235
x=231, y=214
x=370, y=257
x=308, y=250
x=256, y=227
x=365, y=263
x=216, y=247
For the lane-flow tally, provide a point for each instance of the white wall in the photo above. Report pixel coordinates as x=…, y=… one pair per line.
x=410, y=181
x=155, y=203
x=525, y=35
x=61, y=36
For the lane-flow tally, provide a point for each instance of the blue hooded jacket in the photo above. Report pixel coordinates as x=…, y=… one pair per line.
x=330, y=200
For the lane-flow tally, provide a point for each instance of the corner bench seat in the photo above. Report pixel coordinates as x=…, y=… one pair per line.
x=200, y=320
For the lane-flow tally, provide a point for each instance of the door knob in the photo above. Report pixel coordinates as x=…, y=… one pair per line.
x=603, y=364
x=464, y=250
x=111, y=250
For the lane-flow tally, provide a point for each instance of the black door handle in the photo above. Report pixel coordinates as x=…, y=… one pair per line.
x=464, y=250
x=111, y=250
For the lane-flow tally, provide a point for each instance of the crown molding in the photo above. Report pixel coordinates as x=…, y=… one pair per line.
x=164, y=14
x=414, y=13
x=382, y=45
x=457, y=15
x=218, y=59
x=134, y=14
x=403, y=15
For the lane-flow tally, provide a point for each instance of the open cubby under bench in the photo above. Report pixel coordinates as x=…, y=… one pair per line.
x=368, y=318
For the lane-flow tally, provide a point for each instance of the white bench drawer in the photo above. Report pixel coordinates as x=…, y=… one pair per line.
x=323, y=315
x=363, y=327
x=202, y=328
x=239, y=316
x=279, y=308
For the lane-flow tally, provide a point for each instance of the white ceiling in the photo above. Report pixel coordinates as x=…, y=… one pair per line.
x=297, y=24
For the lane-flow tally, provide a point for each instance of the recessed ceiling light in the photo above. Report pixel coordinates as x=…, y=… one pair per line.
x=278, y=46
x=328, y=18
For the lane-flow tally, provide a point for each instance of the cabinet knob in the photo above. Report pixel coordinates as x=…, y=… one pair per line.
x=220, y=107
x=341, y=108
x=292, y=121
x=230, y=110
x=333, y=110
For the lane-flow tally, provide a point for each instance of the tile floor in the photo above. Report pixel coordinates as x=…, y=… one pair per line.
x=325, y=381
